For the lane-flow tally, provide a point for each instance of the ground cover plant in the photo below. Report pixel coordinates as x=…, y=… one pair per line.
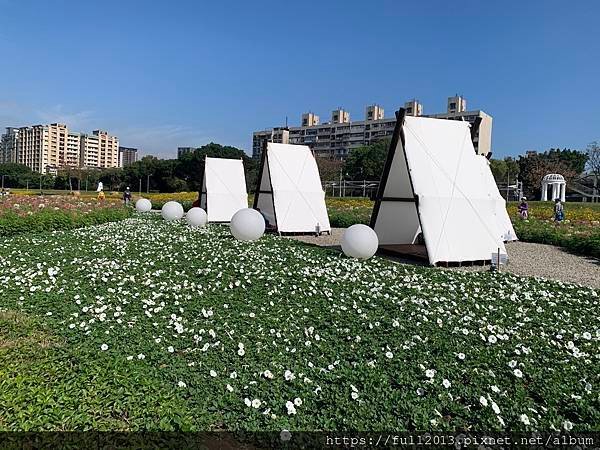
x=147, y=325
x=31, y=214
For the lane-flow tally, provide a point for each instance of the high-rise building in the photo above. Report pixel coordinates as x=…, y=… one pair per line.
x=46, y=148
x=337, y=138
x=127, y=156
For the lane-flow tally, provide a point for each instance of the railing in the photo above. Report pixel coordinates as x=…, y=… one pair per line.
x=346, y=188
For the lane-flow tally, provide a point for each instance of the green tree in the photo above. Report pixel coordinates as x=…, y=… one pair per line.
x=367, y=162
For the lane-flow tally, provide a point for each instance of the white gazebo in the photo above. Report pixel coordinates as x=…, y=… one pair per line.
x=558, y=184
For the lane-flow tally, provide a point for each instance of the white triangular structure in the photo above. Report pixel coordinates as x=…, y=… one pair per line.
x=433, y=184
x=223, y=188
x=502, y=218
x=290, y=194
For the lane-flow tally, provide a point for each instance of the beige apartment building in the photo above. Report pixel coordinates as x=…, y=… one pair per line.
x=47, y=148
x=338, y=137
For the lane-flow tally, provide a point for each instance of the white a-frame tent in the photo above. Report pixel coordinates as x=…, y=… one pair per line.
x=505, y=226
x=433, y=197
x=289, y=191
x=223, y=188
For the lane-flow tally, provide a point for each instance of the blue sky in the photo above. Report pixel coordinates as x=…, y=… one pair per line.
x=166, y=74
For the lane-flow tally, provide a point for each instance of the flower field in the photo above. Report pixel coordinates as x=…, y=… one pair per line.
x=27, y=214
x=147, y=325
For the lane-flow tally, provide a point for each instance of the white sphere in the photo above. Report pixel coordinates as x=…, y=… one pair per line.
x=196, y=217
x=247, y=225
x=359, y=241
x=143, y=205
x=172, y=211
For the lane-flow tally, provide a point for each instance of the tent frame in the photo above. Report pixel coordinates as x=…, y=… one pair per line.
x=410, y=251
x=205, y=194
x=257, y=191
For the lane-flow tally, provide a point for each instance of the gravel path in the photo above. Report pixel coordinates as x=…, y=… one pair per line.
x=525, y=258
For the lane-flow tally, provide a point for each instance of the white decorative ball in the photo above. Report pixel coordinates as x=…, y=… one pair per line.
x=359, y=241
x=172, y=211
x=143, y=205
x=196, y=217
x=247, y=225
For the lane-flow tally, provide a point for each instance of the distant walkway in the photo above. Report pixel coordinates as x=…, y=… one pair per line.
x=525, y=258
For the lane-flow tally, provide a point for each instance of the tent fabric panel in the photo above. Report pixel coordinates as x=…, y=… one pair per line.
x=299, y=212
x=297, y=190
x=398, y=182
x=265, y=204
x=265, y=178
x=458, y=235
x=397, y=222
x=457, y=214
x=502, y=218
x=225, y=188
x=222, y=207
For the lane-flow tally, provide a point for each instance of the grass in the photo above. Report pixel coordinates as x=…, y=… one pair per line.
x=148, y=325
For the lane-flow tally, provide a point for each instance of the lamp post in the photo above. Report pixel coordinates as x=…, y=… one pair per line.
x=147, y=183
x=3, y=181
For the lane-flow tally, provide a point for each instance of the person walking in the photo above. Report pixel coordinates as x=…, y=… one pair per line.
x=523, y=209
x=559, y=210
x=127, y=196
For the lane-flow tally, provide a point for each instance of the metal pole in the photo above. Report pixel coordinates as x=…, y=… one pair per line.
x=507, y=183
x=40, y=184
x=140, y=186
x=86, y=181
x=148, y=184
x=2, y=181
x=364, y=188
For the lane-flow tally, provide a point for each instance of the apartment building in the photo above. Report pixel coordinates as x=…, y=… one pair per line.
x=127, y=156
x=47, y=148
x=338, y=137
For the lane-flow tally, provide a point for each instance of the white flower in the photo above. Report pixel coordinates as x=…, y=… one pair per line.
x=129, y=358
x=518, y=373
x=495, y=389
x=512, y=364
x=483, y=400
x=256, y=403
x=181, y=384
x=233, y=374
x=241, y=352
x=430, y=373
x=587, y=336
x=141, y=356
x=492, y=339
x=354, y=395
x=268, y=374
x=523, y=418
x=389, y=355
x=213, y=373
x=298, y=401
x=247, y=401
x=461, y=356
x=567, y=425
x=420, y=391
x=495, y=407
x=229, y=388
x=288, y=375
x=104, y=347
x=446, y=383
x=291, y=409
x=170, y=349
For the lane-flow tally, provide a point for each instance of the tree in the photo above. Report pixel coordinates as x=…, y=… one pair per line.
x=593, y=162
x=329, y=169
x=534, y=167
x=573, y=159
x=367, y=162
